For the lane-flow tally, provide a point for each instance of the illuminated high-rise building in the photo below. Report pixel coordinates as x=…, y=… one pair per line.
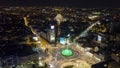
x=49, y=33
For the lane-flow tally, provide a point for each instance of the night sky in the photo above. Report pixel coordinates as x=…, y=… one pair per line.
x=68, y=3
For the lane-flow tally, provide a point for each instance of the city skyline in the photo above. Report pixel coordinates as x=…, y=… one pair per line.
x=59, y=37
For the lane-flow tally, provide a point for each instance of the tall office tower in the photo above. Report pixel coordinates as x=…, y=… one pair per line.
x=51, y=34
x=51, y=31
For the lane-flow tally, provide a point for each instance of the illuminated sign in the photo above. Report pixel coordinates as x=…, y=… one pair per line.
x=62, y=40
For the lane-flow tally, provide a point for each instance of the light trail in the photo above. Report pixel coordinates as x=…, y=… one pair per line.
x=84, y=33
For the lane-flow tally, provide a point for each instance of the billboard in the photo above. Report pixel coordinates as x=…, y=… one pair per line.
x=62, y=40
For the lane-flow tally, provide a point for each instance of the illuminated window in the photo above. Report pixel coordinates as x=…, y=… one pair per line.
x=99, y=38
x=52, y=27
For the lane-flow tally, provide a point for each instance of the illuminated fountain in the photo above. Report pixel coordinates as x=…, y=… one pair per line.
x=67, y=52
